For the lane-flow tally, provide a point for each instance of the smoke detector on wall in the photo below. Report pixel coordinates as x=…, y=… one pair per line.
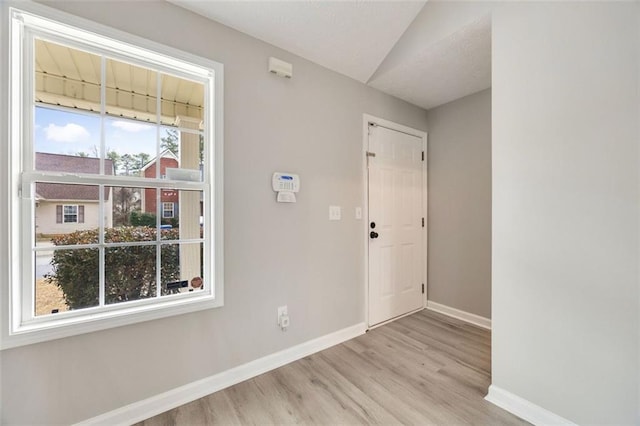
x=280, y=68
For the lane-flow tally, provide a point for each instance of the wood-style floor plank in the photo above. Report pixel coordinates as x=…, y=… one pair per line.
x=424, y=369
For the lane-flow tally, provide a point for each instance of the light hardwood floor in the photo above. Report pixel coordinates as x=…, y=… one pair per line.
x=423, y=369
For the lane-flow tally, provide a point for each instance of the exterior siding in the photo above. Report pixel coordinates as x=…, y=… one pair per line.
x=149, y=204
x=46, y=217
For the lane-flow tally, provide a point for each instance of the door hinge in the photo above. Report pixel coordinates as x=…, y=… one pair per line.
x=423, y=222
x=422, y=288
x=422, y=155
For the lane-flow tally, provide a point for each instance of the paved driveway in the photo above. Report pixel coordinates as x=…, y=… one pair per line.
x=43, y=260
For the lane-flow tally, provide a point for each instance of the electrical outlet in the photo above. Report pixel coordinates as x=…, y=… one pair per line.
x=335, y=213
x=284, y=322
x=283, y=318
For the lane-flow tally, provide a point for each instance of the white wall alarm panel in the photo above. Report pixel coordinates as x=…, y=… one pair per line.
x=286, y=185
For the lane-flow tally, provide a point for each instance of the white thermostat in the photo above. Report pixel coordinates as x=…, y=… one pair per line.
x=286, y=185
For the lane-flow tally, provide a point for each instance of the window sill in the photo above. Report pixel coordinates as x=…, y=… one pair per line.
x=72, y=326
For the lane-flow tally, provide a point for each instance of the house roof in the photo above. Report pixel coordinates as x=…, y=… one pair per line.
x=167, y=153
x=70, y=164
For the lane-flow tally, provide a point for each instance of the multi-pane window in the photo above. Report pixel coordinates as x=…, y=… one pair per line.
x=167, y=210
x=112, y=139
x=70, y=214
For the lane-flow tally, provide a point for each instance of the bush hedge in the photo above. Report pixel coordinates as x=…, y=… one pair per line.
x=143, y=219
x=149, y=219
x=130, y=271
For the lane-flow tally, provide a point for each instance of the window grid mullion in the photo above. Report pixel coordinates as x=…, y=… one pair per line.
x=158, y=191
x=27, y=307
x=108, y=180
x=158, y=240
x=101, y=251
x=101, y=212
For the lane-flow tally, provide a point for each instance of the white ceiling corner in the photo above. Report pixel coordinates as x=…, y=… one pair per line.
x=353, y=37
x=350, y=37
x=440, y=72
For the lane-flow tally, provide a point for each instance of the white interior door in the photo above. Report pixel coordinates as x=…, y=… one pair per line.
x=396, y=253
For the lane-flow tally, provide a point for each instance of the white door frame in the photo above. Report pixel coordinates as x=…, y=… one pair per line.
x=370, y=119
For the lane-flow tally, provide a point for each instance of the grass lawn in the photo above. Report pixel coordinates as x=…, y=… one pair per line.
x=49, y=297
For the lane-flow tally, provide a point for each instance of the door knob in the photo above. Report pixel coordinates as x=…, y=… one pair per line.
x=372, y=225
x=373, y=234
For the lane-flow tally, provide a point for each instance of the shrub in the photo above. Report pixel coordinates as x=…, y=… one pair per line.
x=173, y=221
x=130, y=271
x=143, y=219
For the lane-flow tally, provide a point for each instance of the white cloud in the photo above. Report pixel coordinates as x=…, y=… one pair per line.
x=129, y=126
x=70, y=132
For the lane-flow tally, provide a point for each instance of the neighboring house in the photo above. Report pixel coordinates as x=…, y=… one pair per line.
x=61, y=209
x=168, y=198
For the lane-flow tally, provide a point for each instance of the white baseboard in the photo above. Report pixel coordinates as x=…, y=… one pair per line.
x=155, y=405
x=524, y=409
x=461, y=315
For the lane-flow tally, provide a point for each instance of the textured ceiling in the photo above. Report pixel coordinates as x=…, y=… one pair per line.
x=448, y=69
x=350, y=37
x=353, y=37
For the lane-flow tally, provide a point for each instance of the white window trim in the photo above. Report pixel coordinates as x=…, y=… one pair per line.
x=173, y=206
x=64, y=206
x=13, y=333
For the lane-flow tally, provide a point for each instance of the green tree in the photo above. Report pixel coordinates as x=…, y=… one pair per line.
x=115, y=159
x=125, y=201
x=128, y=164
x=171, y=141
x=142, y=159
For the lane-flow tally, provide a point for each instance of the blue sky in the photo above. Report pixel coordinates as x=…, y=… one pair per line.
x=62, y=132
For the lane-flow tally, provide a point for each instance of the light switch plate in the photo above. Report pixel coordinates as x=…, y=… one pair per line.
x=358, y=213
x=335, y=213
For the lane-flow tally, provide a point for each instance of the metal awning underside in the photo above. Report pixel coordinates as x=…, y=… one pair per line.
x=71, y=78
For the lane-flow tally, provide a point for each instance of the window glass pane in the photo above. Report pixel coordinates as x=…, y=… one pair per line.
x=149, y=206
x=189, y=146
x=130, y=271
x=183, y=149
x=182, y=268
x=67, y=142
x=188, y=215
x=170, y=141
x=67, y=214
x=66, y=279
x=70, y=214
x=131, y=91
x=191, y=214
x=181, y=98
x=169, y=208
x=125, y=207
x=67, y=76
x=131, y=146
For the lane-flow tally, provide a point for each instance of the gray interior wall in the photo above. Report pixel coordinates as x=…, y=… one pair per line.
x=566, y=208
x=459, y=217
x=311, y=125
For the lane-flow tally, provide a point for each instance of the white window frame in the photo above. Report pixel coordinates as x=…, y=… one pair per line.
x=16, y=273
x=164, y=209
x=64, y=214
